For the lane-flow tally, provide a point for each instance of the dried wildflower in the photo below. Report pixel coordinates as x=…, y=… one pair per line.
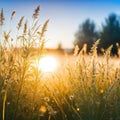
x=12, y=15
x=20, y=22
x=2, y=17
x=36, y=13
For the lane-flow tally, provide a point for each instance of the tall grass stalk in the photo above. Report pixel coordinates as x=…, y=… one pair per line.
x=4, y=105
x=107, y=55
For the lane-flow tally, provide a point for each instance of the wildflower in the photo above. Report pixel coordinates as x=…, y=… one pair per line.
x=71, y=97
x=8, y=103
x=43, y=109
x=78, y=109
x=101, y=91
x=47, y=99
x=55, y=112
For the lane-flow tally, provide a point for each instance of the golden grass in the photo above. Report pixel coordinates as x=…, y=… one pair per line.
x=85, y=88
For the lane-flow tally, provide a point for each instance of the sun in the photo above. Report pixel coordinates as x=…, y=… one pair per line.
x=48, y=64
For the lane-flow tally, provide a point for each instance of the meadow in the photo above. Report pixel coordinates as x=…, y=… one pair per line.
x=83, y=87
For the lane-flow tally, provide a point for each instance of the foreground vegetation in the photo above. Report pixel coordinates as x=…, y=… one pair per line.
x=88, y=89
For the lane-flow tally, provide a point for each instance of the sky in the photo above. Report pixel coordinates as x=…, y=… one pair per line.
x=65, y=15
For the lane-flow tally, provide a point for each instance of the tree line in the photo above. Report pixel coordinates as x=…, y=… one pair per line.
x=87, y=34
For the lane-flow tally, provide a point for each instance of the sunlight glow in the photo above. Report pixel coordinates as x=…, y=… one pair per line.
x=48, y=64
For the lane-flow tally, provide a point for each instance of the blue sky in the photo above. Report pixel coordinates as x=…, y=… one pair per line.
x=65, y=15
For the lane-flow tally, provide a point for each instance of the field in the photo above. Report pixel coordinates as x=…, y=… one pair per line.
x=80, y=87
x=83, y=87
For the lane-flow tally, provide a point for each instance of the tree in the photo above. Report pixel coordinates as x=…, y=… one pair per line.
x=110, y=34
x=59, y=47
x=86, y=34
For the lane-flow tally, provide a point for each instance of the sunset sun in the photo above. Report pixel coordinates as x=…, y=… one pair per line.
x=48, y=64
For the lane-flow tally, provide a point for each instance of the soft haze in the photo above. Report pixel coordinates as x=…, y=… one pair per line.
x=65, y=15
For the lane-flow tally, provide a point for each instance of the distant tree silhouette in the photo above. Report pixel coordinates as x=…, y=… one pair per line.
x=59, y=47
x=86, y=34
x=110, y=33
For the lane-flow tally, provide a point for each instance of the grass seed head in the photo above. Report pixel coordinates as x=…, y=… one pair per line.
x=36, y=13
x=12, y=15
x=2, y=17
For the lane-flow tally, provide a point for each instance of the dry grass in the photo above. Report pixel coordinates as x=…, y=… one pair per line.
x=85, y=88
